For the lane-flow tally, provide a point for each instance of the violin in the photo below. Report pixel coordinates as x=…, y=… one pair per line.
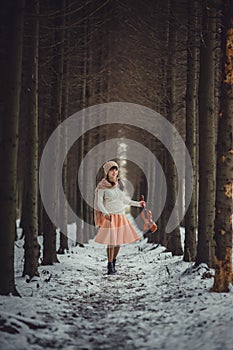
x=149, y=225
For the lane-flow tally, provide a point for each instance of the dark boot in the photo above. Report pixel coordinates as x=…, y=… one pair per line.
x=114, y=264
x=111, y=270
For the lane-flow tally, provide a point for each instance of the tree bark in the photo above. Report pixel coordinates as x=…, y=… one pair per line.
x=81, y=236
x=207, y=139
x=192, y=125
x=49, y=229
x=11, y=81
x=30, y=225
x=174, y=241
x=224, y=179
x=65, y=100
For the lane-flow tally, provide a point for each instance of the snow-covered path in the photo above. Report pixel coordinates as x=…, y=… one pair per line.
x=149, y=304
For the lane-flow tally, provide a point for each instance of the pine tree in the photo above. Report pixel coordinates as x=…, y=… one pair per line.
x=30, y=224
x=224, y=182
x=11, y=81
x=191, y=125
x=207, y=137
x=174, y=242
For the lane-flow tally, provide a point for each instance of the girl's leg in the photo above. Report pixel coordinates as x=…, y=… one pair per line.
x=116, y=251
x=110, y=253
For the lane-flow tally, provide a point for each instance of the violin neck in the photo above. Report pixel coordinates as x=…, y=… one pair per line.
x=145, y=210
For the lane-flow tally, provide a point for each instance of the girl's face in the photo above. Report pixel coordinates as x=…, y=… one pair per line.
x=112, y=174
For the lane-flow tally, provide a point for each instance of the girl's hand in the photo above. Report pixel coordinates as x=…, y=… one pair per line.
x=108, y=217
x=143, y=204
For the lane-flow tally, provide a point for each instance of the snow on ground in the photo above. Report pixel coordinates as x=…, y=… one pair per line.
x=155, y=301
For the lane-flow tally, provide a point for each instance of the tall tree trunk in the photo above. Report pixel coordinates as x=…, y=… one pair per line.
x=11, y=81
x=49, y=229
x=81, y=238
x=89, y=173
x=191, y=125
x=157, y=204
x=65, y=37
x=30, y=224
x=207, y=139
x=163, y=235
x=174, y=241
x=224, y=180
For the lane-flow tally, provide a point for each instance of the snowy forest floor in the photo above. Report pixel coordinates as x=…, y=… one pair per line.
x=155, y=301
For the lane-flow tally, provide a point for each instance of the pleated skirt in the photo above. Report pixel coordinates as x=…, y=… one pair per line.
x=117, y=231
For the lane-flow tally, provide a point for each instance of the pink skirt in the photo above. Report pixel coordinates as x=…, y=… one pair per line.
x=118, y=231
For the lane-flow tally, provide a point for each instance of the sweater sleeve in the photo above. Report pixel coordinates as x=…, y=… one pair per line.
x=128, y=201
x=100, y=202
x=135, y=204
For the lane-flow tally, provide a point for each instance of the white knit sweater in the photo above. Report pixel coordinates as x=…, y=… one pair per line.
x=114, y=201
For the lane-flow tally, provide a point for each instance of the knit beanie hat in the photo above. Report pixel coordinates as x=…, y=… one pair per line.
x=108, y=165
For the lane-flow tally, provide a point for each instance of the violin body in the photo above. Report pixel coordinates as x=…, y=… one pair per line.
x=149, y=225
